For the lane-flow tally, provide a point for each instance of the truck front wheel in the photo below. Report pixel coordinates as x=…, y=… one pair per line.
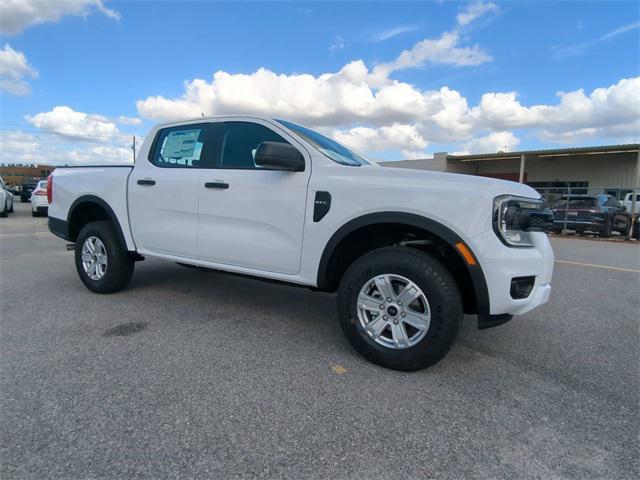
x=103, y=265
x=400, y=308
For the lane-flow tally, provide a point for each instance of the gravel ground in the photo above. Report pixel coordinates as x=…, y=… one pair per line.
x=196, y=374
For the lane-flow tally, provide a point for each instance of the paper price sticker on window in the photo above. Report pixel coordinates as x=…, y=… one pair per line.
x=180, y=144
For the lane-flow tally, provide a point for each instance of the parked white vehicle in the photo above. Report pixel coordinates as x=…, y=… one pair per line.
x=39, y=201
x=6, y=200
x=407, y=251
x=628, y=203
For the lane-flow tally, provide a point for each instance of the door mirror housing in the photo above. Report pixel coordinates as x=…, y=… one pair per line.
x=279, y=156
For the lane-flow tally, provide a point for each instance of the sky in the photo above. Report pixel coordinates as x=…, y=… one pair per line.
x=392, y=80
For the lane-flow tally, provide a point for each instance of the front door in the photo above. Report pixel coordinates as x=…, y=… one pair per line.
x=250, y=216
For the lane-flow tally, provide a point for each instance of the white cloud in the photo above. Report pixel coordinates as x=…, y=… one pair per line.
x=14, y=68
x=494, y=142
x=392, y=137
x=394, y=32
x=19, y=147
x=65, y=136
x=444, y=50
x=66, y=122
x=338, y=44
x=371, y=111
x=618, y=104
x=561, y=52
x=129, y=120
x=16, y=15
x=474, y=11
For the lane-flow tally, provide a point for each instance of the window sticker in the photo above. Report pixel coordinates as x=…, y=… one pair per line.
x=181, y=144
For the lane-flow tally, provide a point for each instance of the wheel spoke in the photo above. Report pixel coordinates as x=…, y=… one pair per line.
x=383, y=283
x=102, y=259
x=367, y=302
x=408, y=294
x=86, y=257
x=418, y=320
x=376, y=326
x=91, y=245
x=399, y=334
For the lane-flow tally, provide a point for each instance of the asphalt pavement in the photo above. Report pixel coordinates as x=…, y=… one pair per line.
x=198, y=374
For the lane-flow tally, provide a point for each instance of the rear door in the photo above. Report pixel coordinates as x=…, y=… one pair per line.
x=163, y=191
x=250, y=216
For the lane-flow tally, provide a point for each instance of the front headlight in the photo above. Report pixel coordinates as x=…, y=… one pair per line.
x=511, y=219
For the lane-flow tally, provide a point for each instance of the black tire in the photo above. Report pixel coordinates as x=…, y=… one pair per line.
x=34, y=213
x=439, y=288
x=605, y=232
x=119, y=263
x=11, y=209
x=5, y=212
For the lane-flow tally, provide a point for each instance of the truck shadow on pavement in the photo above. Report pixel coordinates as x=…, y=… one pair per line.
x=235, y=303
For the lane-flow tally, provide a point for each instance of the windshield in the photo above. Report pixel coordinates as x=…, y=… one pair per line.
x=330, y=148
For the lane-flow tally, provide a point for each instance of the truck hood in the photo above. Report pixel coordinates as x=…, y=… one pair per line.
x=410, y=178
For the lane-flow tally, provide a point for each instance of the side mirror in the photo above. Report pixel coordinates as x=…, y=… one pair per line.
x=279, y=156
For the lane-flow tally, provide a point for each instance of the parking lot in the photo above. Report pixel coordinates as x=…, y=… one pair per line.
x=227, y=377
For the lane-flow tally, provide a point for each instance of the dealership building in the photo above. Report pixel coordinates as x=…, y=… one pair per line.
x=612, y=169
x=19, y=174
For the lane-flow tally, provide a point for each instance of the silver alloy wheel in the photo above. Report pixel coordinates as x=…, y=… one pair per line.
x=393, y=311
x=94, y=258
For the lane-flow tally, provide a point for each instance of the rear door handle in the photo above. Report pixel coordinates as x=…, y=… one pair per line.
x=216, y=185
x=146, y=182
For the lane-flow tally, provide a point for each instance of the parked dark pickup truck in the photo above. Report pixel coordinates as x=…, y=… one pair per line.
x=27, y=190
x=601, y=213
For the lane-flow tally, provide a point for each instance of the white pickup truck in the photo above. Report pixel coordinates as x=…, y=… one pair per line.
x=409, y=252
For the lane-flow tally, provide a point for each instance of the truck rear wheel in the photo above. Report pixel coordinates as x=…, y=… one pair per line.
x=103, y=265
x=400, y=308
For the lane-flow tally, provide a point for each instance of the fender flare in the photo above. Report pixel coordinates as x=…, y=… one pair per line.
x=105, y=206
x=410, y=219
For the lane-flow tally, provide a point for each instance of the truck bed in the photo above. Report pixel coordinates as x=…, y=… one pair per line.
x=107, y=183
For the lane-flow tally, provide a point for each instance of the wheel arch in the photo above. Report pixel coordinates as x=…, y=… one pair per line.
x=341, y=246
x=90, y=208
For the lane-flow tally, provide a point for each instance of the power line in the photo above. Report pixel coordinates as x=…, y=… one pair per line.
x=42, y=131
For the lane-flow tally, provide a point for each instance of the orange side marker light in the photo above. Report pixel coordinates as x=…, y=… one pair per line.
x=466, y=254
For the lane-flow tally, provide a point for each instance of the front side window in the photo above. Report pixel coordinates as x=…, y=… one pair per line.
x=180, y=147
x=240, y=142
x=328, y=147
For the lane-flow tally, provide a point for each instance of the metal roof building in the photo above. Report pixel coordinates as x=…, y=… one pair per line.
x=613, y=169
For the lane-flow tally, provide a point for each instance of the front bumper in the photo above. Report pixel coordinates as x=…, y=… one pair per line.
x=501, y=264
x=578, y=224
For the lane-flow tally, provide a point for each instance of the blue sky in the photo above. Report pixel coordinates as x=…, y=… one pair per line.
x=477, y=76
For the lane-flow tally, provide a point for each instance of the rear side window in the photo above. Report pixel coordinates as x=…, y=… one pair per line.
x=240, y=142
x=180, y=147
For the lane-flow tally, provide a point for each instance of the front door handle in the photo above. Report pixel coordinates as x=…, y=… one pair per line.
x=216, y=185
x=146, y=182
